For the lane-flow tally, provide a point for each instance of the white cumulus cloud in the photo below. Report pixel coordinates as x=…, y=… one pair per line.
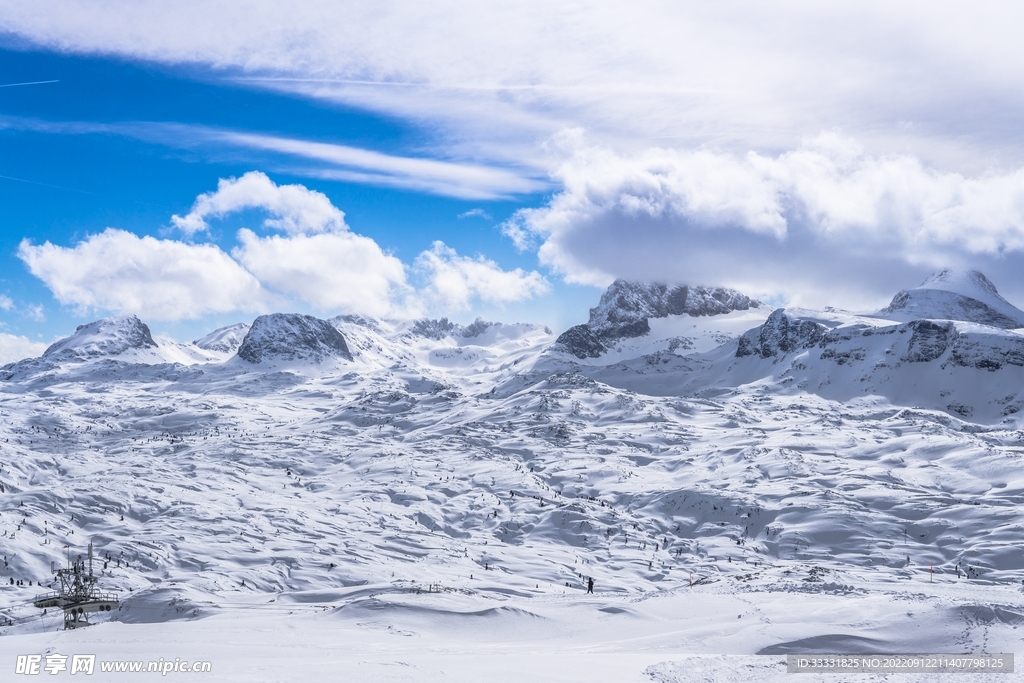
x=160, y=279
x=475, y=213
x=14, y=348
x=333, y=272
x=455, y=281
x=292, y=208
x=313, y=260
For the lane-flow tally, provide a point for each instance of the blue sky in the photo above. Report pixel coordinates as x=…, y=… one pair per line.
x=72, y=166
x=506, y=160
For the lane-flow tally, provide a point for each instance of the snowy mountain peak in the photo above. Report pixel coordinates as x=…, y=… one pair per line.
x=626, y=305
x=106, y=337
x=626, y=308
x=972, y=283
x=224, y=340
x=292, y=337
x=967, y=296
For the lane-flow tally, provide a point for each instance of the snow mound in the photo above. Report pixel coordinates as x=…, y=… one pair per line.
x=106, y=337
x=626, y=308
x=968, y=296
x=292, y=337
x=224, y=340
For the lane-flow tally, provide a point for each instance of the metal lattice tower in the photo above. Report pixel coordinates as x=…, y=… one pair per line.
x=77, y=594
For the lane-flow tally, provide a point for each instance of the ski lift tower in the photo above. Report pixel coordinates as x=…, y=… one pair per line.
x=77, y=594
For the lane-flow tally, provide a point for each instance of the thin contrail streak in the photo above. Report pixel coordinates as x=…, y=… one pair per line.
x=13, y=85
x=33, y=182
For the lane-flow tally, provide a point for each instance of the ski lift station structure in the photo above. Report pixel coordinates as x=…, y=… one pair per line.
x=77, y=594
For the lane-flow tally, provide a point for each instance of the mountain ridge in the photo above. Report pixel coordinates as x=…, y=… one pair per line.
x=292, y=337
x=627, y=307
x=965, y=295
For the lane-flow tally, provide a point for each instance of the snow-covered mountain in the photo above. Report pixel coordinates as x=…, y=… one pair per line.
x=292, y=337
x=125, y=336
x=628, y=310
x=224, y=340
x=420, y=471
x=967, y=296
x=944, y=360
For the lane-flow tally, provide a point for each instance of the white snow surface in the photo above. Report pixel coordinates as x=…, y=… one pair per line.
x=432, y=509
x=225, y=340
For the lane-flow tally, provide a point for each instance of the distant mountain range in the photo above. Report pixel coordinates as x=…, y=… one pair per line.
x=688, y=340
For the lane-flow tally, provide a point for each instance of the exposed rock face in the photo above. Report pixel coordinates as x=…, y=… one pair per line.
x=955, y=295
x=439, y=329
x=946, y=342
x=475, y=328
x=780, y=335
x=929, y=340
x=225, y=340
x=626, y=308
x=581, y=342
x=106, y=337
x=986, y=351
x=292, y=337
x=434, y=329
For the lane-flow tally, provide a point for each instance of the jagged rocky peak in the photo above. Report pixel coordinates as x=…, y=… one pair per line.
x=439, y=329
x=292, y=337
x=224, y=340
x=779, y=335
x=435, y=329
x=106, y=337
x=965, y=295
x=627, y=306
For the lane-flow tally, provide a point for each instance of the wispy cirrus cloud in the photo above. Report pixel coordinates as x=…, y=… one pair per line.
x=493, y=79
x=462, y=180
x=313, y=159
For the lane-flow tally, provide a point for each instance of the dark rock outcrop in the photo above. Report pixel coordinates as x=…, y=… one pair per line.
x=626, y=308
x=581, y=342
x=292, y=337
x=780, y=335
x=929, y=340
x=434, y=329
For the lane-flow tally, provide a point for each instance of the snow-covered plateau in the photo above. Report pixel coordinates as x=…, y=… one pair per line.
x=371, y=500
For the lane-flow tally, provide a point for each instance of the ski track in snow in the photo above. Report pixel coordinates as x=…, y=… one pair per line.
x=435, y=507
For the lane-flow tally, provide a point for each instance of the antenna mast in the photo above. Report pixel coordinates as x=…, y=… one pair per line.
x=77, y=594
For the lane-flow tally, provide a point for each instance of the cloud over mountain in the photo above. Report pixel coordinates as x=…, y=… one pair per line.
x=827, y=212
